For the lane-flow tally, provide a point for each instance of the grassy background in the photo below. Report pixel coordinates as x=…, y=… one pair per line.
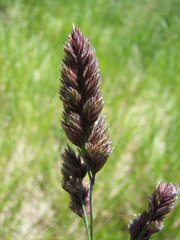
x=138, y=47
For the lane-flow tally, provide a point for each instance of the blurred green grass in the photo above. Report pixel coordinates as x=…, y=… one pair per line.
x=138, y=47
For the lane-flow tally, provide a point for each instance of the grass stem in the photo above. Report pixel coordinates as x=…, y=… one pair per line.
x=91, y=206
x=86, y=222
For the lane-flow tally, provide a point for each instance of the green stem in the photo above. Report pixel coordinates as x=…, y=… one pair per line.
x=92, y=179
x=86, y=222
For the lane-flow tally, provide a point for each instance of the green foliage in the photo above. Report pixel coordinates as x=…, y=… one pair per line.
x=137, y=44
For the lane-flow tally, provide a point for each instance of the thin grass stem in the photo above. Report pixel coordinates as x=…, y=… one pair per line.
x=91, y=206
x=86, y=222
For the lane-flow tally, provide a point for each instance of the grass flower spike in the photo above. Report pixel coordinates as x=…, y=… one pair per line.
x=73, y=172
x=86, y=130
x=152, y=221
x=82, y=103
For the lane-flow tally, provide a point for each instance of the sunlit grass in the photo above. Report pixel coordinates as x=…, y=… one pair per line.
x=138, y=47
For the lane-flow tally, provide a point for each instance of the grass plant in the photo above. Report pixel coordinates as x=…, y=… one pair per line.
x=137, y=45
